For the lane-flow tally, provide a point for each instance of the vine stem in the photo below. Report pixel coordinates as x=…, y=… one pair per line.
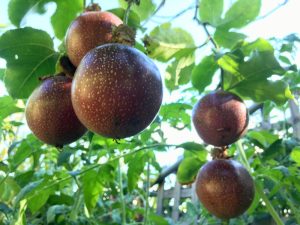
x=258, y=187
x=126, y=15
x=121, y=193
x=147, y=193
x=55, y=182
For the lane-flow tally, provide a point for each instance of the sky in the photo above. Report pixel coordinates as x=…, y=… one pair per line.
x=279, y=24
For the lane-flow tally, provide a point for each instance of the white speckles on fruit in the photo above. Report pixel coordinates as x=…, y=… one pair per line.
x=123, y=88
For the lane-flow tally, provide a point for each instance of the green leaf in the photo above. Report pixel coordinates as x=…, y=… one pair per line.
x=295, y=155
x=24, y=150
x=135, y=169
x=8, y=188
x=227, y=39
x=29, y=54
x=188, y=170
x=133, y=18
x=2, y=72
x=265, y=138
x=55, y=210
x=65, y=12
x=145, y=9
x=275, y=149
x=263, y=90
x=92, y=188
x=164, y=42
x=241, y=13
x=202, y=73
x=7, y=107
x=36, y=194
x=158, y=220
x=17, y=9
x=210, y=11
x=179, y=72
x=191, y=146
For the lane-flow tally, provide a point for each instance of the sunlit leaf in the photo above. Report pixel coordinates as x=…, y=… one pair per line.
x=241, y=13
x=295, y=155
x=210, y=11
x=164, y=42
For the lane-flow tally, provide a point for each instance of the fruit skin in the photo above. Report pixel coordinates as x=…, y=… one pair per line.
x=225, y=188
x=220, y=118
x=50, y=115
x=88, y=31
x=117, y=91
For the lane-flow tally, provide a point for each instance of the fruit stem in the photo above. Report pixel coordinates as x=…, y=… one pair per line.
x=126, y=15
x=147, y=193
x=121, y=193
x=258, y=187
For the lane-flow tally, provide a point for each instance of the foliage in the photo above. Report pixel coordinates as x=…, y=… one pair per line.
x=102, y=181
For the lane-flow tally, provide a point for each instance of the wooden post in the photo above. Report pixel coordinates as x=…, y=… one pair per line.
x=160, y=199
x=176, y=196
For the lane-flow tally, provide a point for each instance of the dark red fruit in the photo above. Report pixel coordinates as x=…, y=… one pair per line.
x=225, y=188
x=50, y=115
x=117, y=91
x=220, y=118
x=88, y=31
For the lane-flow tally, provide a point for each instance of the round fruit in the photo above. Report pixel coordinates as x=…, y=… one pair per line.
x=88, y=31
x=117, y=91
x=50, y=115
x=220, y=118
x=225, y=188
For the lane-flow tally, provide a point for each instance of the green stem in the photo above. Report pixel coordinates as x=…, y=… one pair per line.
x=269, y=206
x=126, y=15
x=55, y=182
x=147, y=194
x=122, y=194
x=258, y=187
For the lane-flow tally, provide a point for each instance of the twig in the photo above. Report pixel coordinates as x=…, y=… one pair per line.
x=204, y=25
x=162, y=3
x=273, y=10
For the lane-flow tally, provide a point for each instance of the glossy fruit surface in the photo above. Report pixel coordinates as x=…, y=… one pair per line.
x=50, y=115
x=117, y=91
x=225, y=188
x=220, y=118
x=88, y=31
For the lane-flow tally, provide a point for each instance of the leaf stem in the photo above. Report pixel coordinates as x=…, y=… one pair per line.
x=258, y=187
x=121, y=193
x=147, y=193
x=126, y=15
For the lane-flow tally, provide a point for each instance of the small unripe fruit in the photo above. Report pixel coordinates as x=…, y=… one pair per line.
x=50, y=115
x=220, y=118
x=88, y=31
x=117, y=91
x=225, y=188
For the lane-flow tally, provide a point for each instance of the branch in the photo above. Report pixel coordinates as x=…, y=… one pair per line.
x=204, y=25
x=273, y=10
